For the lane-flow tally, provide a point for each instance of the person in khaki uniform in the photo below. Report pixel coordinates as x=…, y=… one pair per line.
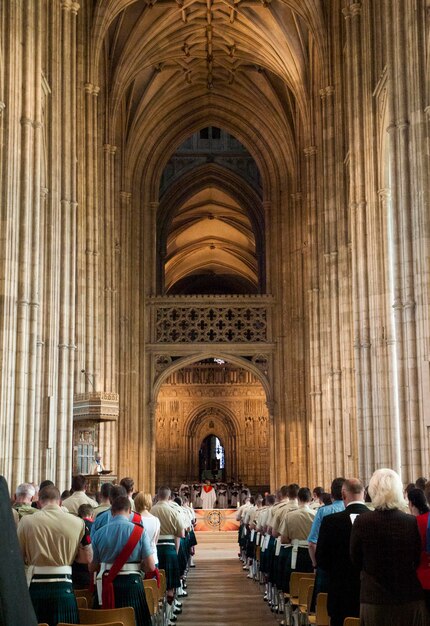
x=50, y=540
x=294, y=530
x=78, y=496
x=172, y=528
x=23, y=497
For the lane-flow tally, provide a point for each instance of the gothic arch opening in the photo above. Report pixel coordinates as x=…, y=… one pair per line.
x=212, y=459
x=212, y=398
x=210, y=222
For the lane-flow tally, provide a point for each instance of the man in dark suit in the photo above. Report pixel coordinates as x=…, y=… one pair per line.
x=332, y=555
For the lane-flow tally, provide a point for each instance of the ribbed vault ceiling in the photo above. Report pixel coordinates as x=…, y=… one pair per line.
x=161, y=52
x=211, y=236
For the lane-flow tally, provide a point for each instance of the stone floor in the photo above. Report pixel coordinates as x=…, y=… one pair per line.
x=219, y=592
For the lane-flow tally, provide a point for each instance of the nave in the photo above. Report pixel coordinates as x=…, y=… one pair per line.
x=219, y=592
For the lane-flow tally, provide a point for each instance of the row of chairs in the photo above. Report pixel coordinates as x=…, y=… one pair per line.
x=298, y=603
x=155, y=598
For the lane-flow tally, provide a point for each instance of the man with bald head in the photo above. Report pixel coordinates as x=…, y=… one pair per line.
x=332, y=554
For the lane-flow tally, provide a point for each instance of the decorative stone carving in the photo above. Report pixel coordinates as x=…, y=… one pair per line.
x=96, y=406
x=209, y=324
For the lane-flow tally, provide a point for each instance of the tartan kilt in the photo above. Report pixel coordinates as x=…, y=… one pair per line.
x=270, y=555
x=263, y=560
x=182, y=556
x=242, y=538
x=273, y=568
x=193, y=539
x=129, y=591
x=168, y=560
x=250, y=548
x=284, y=570
x=54, y=602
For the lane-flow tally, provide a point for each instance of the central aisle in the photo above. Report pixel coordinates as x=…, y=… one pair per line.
x=220, y=594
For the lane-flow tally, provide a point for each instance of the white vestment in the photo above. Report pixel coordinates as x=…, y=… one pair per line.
x=208, y=497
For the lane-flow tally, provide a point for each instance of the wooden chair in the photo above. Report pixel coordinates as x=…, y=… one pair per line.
x=321, y=617
x=85, y=593
x=104, y=616
x=292, y=598
x=95, y=624
x=163, y=598
x=351, y=621
x=151, y=593
x=306, y=588
x=81, y=602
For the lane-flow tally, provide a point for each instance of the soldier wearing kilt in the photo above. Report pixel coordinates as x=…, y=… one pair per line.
x=108, y=543
x=294, y=530
x=172, y=529
x=50, y=540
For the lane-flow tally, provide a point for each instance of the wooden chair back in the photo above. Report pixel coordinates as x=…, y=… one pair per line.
x=150, y=600
x=304, y=585
x=104, y=616
x=85, y=593
x=95, y=624
x=309, y=598
x=163, y=584
x=294, y=582
x=322, y=618
x=81, y=602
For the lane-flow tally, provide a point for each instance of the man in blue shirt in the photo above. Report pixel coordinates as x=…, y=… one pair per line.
x=105, y=517
x=108, y=542
x=321, y=580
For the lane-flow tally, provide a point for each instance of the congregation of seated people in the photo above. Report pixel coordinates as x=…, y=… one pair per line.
x=356, y=556
x=113, y=550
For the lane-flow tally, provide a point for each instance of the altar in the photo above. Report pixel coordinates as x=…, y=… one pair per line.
x=222, y=520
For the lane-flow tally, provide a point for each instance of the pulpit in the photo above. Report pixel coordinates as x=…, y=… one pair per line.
x=95, y=481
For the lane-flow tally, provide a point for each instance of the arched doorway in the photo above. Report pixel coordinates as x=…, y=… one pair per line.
x=209, y=405
x=211, y=459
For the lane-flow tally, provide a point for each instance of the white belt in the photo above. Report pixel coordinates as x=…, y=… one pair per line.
x=166, y=537
x=127, y=568
x=48, y=569
x=296, y=544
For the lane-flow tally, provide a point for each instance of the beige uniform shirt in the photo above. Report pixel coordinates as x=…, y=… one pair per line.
x=50, y=537
x=262, y=517
x=241, y=511
x=171, y=518
x=252, y=515
x=297, y=524
x=73, y=503
x=100, y=509
x=284, y=509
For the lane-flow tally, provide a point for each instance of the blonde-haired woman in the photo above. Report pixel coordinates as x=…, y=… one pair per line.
x=386, y=545
x=151, y=524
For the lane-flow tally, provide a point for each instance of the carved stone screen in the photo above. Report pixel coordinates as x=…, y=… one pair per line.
x=217, y=324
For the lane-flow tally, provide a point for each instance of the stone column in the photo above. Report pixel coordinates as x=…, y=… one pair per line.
x=359, y=206
x=68, y=206
x=331, y=255
x=126, y=378
x=90, y=287
x=316, y=428
x=405, y=68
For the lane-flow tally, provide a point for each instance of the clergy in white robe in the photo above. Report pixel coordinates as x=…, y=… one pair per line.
x=208, y=496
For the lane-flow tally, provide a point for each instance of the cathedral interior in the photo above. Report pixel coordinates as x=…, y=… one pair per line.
x=214, y=224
